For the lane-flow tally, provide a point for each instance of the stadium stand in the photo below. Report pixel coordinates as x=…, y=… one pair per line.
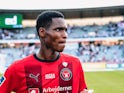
x=88, y=31
x=96, y=35
x=97, y=43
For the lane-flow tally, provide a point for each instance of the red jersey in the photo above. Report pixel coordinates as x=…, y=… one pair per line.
x=33, y=75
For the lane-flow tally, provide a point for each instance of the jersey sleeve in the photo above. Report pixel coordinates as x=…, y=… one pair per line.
x=82, y=84
x=7, y=81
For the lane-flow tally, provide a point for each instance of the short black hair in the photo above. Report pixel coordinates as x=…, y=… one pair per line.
x=45, y=18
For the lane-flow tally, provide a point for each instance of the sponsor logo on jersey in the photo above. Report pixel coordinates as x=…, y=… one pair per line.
x=57, y=89
x=50, y=76
x=66, y=74
x=2, y=79
x=33, y=90
x=65, y=64
x=34, y=76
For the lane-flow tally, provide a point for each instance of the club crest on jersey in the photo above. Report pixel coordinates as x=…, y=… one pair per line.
x=2, y=79
x=33, y=90
x=66, y=74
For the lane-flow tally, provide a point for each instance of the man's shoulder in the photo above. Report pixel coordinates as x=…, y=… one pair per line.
x=68, y=56
x=71, y=59
x=18, y=64
x=23, y=60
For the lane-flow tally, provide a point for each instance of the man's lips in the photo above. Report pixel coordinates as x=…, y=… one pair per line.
x=63, y=42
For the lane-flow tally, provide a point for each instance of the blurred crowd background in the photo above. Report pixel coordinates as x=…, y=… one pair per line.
x=102, y=49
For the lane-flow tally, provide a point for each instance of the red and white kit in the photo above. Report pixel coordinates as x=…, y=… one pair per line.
x=33, y=75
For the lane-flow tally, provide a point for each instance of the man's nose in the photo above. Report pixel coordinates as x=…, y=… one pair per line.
x=65, y=34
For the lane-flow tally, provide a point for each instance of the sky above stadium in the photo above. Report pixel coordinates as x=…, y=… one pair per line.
x=57, y=4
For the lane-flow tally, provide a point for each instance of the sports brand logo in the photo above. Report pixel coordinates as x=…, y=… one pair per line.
x=2, y=79
x=34, y=76
x=66, y=74
x=33, y=90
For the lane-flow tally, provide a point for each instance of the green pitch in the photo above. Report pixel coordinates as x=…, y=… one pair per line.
x=106, y=81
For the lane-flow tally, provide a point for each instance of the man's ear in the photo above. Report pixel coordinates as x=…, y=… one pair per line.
x=41, y=32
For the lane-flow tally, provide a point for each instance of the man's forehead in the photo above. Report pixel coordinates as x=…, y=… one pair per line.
x=58, y=22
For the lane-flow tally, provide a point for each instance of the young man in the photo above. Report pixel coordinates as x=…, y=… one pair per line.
x=50, y=70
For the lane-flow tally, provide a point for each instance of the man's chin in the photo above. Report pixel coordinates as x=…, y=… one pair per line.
x=60, y=50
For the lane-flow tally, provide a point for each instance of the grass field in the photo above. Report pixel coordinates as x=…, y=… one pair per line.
x=106, y=81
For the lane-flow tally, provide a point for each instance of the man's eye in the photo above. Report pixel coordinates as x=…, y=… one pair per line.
x=60, y=29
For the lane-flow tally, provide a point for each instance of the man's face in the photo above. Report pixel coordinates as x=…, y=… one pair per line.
x=56, y=35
